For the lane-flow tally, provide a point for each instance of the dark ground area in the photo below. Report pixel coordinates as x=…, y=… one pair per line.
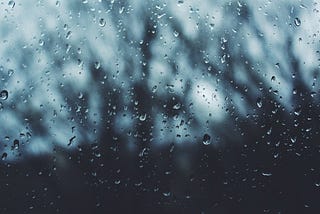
x=108, y=180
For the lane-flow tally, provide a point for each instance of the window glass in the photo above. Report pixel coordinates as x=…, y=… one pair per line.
x=182, y=106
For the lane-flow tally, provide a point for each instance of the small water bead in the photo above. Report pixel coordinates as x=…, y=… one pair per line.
x=68, y=35
x=206, y=139
x=4, y=156
x=177, y=106
x=297, y=21
x=176, y=33
x=180, y=2
x=97, y=65
x=297, y=111
x=16, y=144
x=154, y=89
x=4, y=94
x=41, y=42
x=143, y=117
x=10, y=72
x=259, y=102
x=102, y=22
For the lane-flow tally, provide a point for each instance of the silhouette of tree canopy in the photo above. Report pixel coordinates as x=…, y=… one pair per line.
x=159, y=106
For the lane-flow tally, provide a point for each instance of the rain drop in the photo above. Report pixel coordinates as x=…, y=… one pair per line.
x=4, y=156
x=16, y=144
x=97, y=65
x=259, y=102
x=166, y=194
x=10, y=72
x=4, y=94
x=180, y=2
x=266, y=174
x=41, y=42
x=297, y=21
x=177, y=106
x=102, y=22
x=11, y=4
x=297, y=111
x=154, y=89
x=143, y=117
x=206, y=139
x=68, y=35
x=176, y=33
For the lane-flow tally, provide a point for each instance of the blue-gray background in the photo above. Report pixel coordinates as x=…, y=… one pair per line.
x=163, y=106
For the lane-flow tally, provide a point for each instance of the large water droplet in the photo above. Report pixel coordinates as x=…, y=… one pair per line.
x=206, y=139
x=4, y=94
x=297, y=21
x=11, y=4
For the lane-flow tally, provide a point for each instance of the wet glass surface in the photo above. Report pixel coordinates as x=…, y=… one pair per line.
x=159, y=106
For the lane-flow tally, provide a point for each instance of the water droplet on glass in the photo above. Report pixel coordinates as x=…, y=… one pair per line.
x=11, y=4
x=97, y=65
x=41, y=42
x=293, y=139
x=266, y=174
x=176, y=33
x=143, y=117
x=102, y=22
x=177, y=106
x=259, y=102
x=4, y=156
x=10, y=72
x=297, y=111
x=80, y=96
x=273, y=78
x=166, y=194
x=121, y=10
x=71, y=140
x=4, y=94
x=313, y=93
x=16, y=144
x=294, y=91
x=223, y=59
x=297, y=21
x=154, y=89
x=206, y=139
x=180, y=2
x=68, y=35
